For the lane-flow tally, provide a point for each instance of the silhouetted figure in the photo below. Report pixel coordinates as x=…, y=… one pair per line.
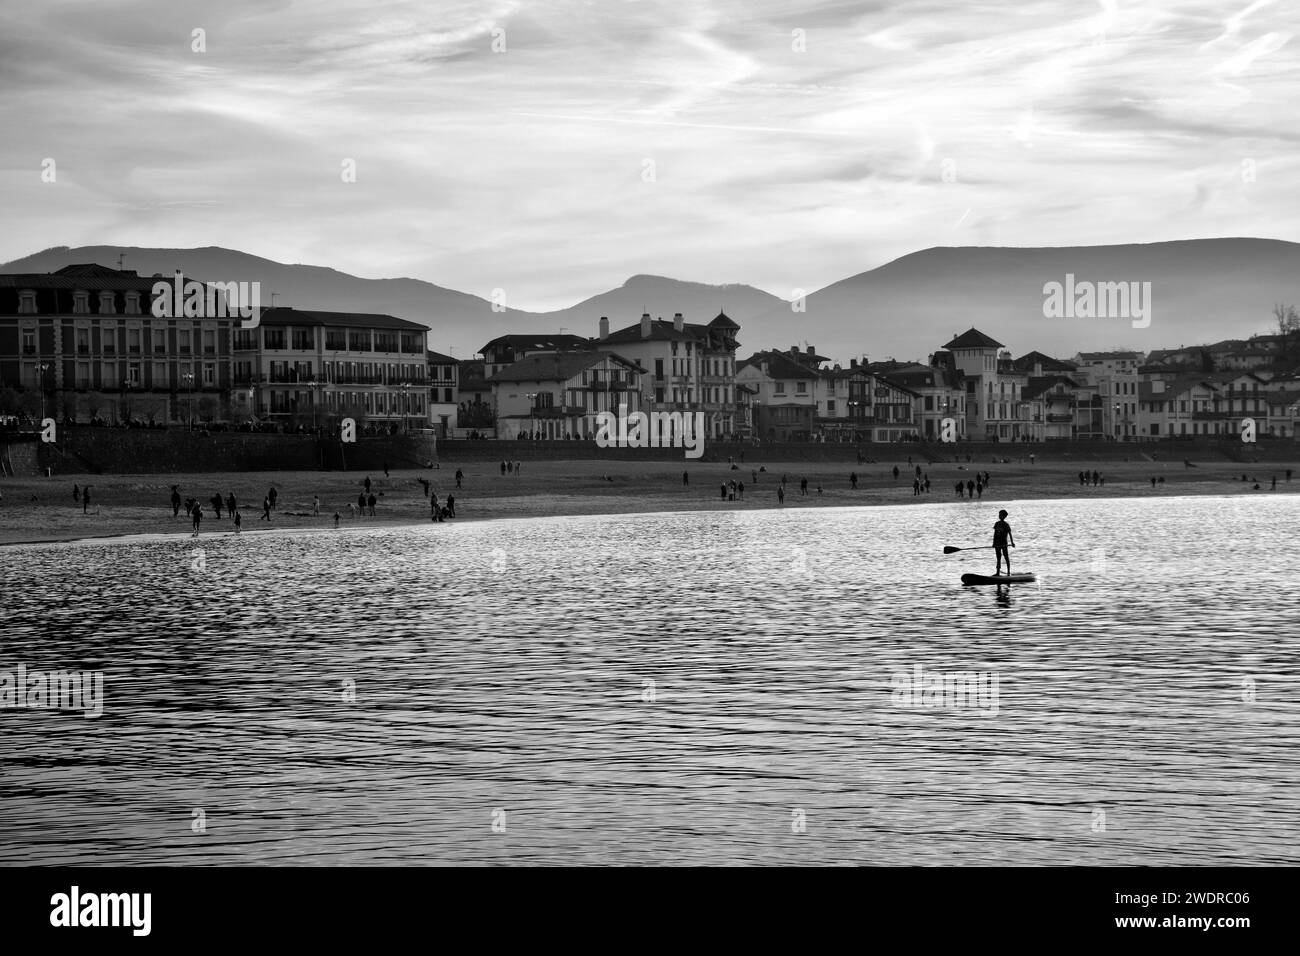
x=853, y=480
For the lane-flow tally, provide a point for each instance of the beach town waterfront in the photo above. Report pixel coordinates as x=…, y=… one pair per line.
x=455, y=693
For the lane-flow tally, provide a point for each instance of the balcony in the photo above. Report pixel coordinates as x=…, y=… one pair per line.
x=1060, y=419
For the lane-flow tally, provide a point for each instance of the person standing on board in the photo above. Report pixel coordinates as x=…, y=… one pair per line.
x=1001, y=537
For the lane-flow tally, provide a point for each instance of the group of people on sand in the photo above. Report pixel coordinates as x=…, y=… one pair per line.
x=1091, y=478
x=82, y=497
x=194, y=508
x=511, y=467
x=973, y=487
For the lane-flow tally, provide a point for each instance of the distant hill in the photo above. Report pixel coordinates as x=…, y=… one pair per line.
x=1202, y=291
x=662, y=297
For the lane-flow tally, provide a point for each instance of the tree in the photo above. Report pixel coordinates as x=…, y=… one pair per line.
x=1288, y=330
x=207, y=408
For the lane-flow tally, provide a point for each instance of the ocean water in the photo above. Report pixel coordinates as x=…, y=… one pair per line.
x=703, y=688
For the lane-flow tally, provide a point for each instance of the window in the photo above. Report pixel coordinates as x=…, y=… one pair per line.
x=108, y=341
x=133, y=303
x=183, y=341
x=27, y=302
x=83, y=375
x=83, y=341
x=81, y=303
x=133, y=376
x=133, y=341
x=29, y=341
x=159, y=374
x=273, y=339
x=304, y=339
x=780, y=388
x=209, y=342
x=447, y=395
x=801, y=388
x=107, y=303
x=830, y=406
x=209, y=374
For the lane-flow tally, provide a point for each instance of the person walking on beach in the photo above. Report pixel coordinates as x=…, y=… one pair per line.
x=927, y=483
x=361, y=504
x=518, y=465
x=1153, y=481
x=895, y=472
x=239, y=522
x=970, y=487
x=85, y=501
x=216, y=504
x=266, y=508
x=424, y=484
x=433, y=507
x=510, y=468
x=1096, y=478
x=272, y=495
x=803, y=486
x=686, y=478
x=853, y=480
x=961, y=490
x=371, y=501
x=503, y=469
x=230, y=502
x=740, y=491
x=451, y=505
x=916, y=487
x=176, y=502
x=459, y=475
x=367, y=484
x=315, y=505
x=1083, y=479
x=197, y=515
x=724, y=491
x=76, y=493
x=1002, y=536
x=780, y=496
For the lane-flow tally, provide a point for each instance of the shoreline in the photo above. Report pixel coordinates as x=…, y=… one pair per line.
x=41, y=511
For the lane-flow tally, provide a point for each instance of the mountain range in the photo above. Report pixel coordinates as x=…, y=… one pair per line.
x=1201, y=291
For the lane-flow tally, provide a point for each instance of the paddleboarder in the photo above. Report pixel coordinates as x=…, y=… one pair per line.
x=1001, y=537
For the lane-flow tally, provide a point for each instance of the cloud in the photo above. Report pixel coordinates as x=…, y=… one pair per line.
x=776, y=163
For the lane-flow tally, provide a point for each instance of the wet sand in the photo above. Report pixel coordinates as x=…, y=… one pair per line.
x=43, y=509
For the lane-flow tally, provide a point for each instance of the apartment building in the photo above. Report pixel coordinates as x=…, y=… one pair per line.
x=1115, y=377
x=785, y=389
x=689, y=367
x=996, y=407
x=305, y=367
x=444, y=384
x=557, y=395
x=83, y=344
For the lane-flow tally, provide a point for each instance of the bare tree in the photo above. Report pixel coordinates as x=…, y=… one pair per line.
x=1288, y=329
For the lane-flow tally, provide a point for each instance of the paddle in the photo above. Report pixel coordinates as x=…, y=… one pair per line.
x=951, y=550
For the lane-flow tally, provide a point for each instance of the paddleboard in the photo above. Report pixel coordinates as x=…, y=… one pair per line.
x=971, y=579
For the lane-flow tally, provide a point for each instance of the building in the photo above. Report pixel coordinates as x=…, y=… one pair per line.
x=505, y=350
x=474, y=410
x=785, y=406
x=443, y=387
x=1115, y=377
x=308, y=368
x=940, y=395
x=995, y=406
x=557, y=395
x=689, y=367
x=843, y=404
x=83, y=344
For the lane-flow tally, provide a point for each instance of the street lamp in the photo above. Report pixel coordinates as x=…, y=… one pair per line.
x=532, y=415
x=188, y=378
x=42, y=369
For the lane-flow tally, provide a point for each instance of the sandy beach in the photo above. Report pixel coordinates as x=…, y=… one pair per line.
x=43, y=509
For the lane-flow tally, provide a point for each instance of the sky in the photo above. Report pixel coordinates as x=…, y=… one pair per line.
x=551, y=149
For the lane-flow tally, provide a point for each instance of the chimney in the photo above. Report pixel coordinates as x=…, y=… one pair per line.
x=678, y=322
x=853, y=363
x=604, y=327
x=811, y=351
x=645, y=325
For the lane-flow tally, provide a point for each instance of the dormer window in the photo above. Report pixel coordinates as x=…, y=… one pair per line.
x=133, y=303
x=81, y=302
x=107, y=304
x=27, y=302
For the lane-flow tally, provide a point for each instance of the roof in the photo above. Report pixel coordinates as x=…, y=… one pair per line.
x=89, y=276
x=779, y=365
x=556, y=366
x=441, y=359
x=538, y=341
x=1027, y=362
x=722, y=320
x=1039, y=384
x=1102, y=356
x=972, y=338
x=286, y=315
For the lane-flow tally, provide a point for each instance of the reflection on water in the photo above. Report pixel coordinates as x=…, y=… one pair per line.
x=674, y=688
